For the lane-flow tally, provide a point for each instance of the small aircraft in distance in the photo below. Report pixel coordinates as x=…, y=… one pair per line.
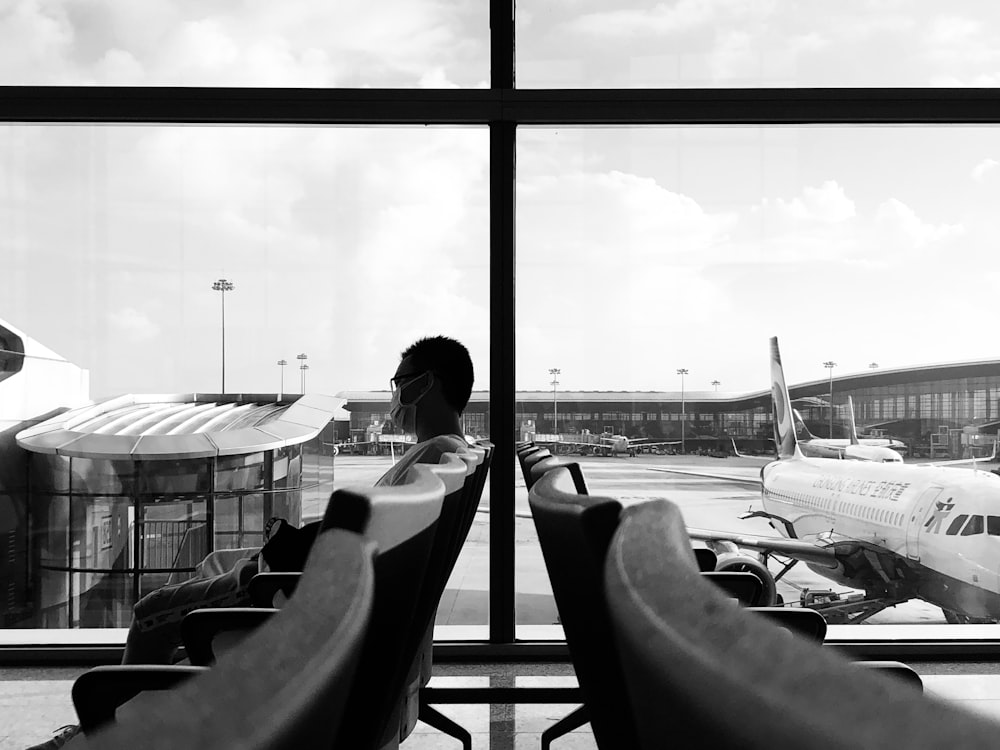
x=606, y=444
x=893, y=530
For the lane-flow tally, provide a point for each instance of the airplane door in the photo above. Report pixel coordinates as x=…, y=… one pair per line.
x=922, y=508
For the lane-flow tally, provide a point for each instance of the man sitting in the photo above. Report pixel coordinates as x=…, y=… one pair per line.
x=430, y=390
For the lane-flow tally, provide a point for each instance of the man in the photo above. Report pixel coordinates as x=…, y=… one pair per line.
x=430, y=390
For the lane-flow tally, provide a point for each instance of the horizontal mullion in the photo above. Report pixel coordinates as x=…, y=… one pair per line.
x=258, y=106
x=482, y=106
x=752, y=106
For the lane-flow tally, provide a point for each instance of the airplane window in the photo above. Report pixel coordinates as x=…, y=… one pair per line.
x=993, y=525
x=956, y=524
x=974, y=526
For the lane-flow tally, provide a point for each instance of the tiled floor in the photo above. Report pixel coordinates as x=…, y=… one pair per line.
x=35, y=701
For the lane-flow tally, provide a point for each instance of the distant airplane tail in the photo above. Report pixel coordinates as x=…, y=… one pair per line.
x=781, y=406
x=801, y=431
x=850, y=421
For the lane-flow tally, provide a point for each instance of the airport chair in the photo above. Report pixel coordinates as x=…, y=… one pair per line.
x=550, y=462
x=531, y=460
x=573, y=537
x=574, y=530
x=425, y=710
x=523, y=455
x=464, y=477
x=695, y=665
x=402, y=523
x=286, y=685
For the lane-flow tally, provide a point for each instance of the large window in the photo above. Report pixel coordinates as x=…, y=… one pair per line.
x=676, y=180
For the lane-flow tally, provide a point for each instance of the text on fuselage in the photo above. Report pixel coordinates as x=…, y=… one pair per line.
x=863, y=487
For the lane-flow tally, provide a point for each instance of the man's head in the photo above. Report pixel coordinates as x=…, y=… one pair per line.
x=431, y=387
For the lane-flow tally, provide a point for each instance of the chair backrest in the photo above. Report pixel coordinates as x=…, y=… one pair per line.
x=404, y=520
x=522, y=456
x=696, y=664
x=538, y=468
x=574, y=531
x=529, y=461
x=288, y=683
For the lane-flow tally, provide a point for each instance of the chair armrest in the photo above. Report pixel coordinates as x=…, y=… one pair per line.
x=99, y=692
x=201, y=628
x=896, y=669
x=264, y=586
x=805, y=622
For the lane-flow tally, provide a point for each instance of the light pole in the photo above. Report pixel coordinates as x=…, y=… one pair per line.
x=829, y=365
x=716, y=383
x=555, y=409
x=281, y=364
x=223, y=285
x=302, y=370
x=873, y=366
x=682, y=372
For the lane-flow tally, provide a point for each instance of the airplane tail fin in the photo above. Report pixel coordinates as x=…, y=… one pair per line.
x=850, y=421
x=781, y=406
x=801, y=431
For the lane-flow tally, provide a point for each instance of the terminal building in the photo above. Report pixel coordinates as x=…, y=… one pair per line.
x=928, y=407
x=131, y=493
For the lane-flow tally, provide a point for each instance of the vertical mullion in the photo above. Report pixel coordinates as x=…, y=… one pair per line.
x=501, y=44
x=502, y=425
x=502, y=417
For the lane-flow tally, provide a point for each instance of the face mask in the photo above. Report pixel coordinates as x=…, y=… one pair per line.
x=404, y=415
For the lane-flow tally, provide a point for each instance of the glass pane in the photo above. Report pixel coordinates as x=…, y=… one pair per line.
x=673, y=254
x=343, y=245
x=693, y=44
x=90, y=476
x=295, y=43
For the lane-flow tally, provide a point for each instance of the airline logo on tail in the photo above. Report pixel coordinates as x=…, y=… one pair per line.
x=784, y=429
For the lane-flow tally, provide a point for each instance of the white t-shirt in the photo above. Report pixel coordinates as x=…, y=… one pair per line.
x=427, y=452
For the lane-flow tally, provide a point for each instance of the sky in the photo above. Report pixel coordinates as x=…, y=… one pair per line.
x=639, y=250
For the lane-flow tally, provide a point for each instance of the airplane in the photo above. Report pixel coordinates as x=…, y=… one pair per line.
x=896, y=531
x=853, y=449
x=852, y=446
x=608, y=444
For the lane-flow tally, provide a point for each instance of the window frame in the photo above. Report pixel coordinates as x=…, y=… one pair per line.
x=503, y=108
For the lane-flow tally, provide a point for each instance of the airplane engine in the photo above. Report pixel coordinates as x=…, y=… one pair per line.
x=737, y=563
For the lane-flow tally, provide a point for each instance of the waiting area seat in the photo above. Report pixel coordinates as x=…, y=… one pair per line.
x=574, y=531
x=401, y=523
x=697, y=665
x=287, y=685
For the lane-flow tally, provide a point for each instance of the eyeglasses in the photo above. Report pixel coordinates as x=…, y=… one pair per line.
x=398, y=381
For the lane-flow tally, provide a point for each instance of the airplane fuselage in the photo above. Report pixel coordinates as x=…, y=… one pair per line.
x=915, y=528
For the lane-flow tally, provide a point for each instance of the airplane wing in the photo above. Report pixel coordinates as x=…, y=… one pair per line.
x=795, y=548
x=736, y=452
x=753, y=481
x=960, y=461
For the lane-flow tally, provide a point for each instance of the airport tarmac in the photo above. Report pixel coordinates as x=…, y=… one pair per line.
x=705, y=504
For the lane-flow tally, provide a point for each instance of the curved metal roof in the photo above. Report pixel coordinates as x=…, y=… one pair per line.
x=180, y=426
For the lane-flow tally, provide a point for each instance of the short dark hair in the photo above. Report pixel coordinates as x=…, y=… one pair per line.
x=450, y=361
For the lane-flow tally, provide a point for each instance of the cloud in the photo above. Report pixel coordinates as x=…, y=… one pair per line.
x=242, y=42
x=900, y=223
x=605, y=216
x=984, y=167
x=827, y=203
x=134, y=324
x=667, y=18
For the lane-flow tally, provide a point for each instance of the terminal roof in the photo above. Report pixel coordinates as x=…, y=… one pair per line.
x=181, y=426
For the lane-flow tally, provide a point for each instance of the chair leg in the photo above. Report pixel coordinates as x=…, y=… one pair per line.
x=431, y=716
x=573, y=720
